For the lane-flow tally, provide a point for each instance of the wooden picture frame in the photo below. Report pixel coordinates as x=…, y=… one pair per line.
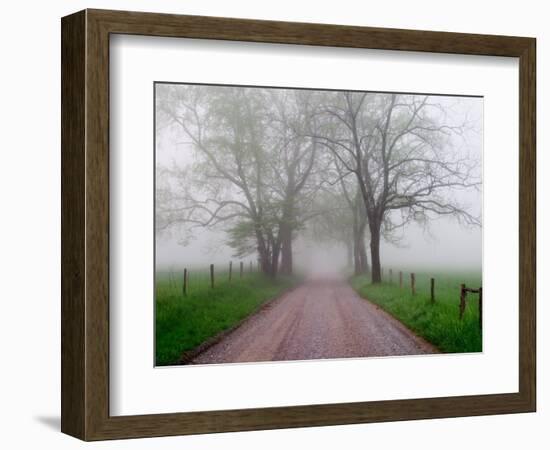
x=85, y=224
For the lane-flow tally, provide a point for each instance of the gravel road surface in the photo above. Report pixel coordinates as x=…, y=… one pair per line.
x=318, y=319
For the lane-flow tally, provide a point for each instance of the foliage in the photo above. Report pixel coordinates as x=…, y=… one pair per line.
x=251, y=166
x=263, y=159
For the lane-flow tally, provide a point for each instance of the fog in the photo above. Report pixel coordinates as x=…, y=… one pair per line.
x=438, y=243
x=446, y=246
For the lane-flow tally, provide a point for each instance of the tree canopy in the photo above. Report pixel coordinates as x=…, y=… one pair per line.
x=355, y=166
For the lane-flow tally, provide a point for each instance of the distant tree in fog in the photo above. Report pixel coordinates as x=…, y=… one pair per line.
x=268, y=161
x=293, y=162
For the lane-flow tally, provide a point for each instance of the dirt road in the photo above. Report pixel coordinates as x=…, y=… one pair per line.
x=319, y=319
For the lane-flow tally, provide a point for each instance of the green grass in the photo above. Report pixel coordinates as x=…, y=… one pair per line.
x=183, y=323
x=438, y=323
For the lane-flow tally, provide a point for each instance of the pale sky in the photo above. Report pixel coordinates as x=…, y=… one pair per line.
x=447, y=244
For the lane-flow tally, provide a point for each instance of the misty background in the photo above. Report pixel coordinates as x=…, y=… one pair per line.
x=442, y=243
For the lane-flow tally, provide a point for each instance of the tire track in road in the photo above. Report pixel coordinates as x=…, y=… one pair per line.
x=319, y=319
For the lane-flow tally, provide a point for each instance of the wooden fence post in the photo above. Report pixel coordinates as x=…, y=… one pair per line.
x=184, y=282
x=432, y=289
x=400, y=280
x=250, y=267
x=462, y=305
x=391, y=276
x=480, y=308
x=241, y=270
x=212, y=276
x=413, y=287
x=230, y=270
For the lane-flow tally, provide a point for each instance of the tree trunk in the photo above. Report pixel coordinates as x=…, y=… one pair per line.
x=286, y=249
x=265, y=255
x=363, y=260
x=374, y=226
x=356, y=251
x=265, y=261
x=361, y=265
x=287, y=224
x=349, y=248
x=274, y=260
x=356, y=259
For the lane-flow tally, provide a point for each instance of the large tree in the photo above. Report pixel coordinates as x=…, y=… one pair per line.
x=228, y=182
x=293, y=161
x=400, y=149
x=250, y=171
x=350, y=193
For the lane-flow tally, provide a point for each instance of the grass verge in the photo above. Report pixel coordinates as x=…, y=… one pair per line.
x=184, y=322
x=439, y=322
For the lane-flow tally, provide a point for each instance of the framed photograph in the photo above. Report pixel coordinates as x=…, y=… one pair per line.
x=272, y=225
